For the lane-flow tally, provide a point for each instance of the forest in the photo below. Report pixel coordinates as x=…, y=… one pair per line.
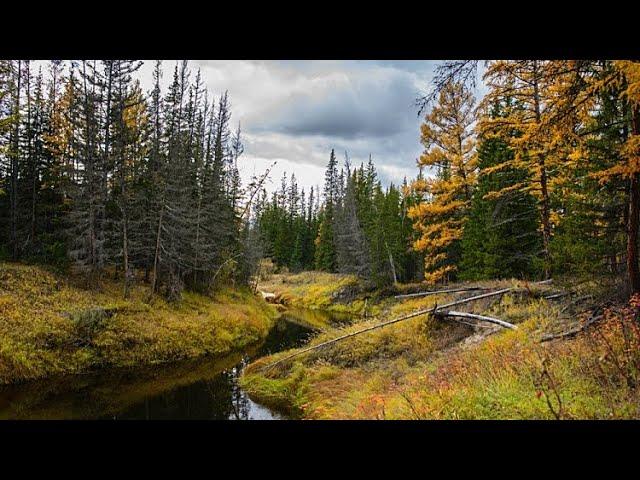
x=536, y=178
x=99, y=175
x=128, y=239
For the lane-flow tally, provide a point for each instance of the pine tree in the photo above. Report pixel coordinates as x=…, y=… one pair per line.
x=351, y=246
x=529, y=82
x=93, y=169
x=175, y=217
x=7, y=121
x=324, y=243
x=126, y=109
x=500, y=239
x=15, y=87
x=86, y=219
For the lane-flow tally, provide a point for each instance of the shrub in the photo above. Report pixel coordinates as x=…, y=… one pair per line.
x=88, y=323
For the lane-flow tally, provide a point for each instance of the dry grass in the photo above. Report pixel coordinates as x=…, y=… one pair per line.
x=420, y=370
x=49, y=326
x=315, y=290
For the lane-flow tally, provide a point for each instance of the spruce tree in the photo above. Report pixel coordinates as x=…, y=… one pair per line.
x=501, y=238
x=351, y=246
x=324, y=243
x=86, y=220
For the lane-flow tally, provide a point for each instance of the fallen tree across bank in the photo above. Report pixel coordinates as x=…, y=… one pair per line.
x=473, y=316
x=574, y=331
x=438, y=292
x=431, y=311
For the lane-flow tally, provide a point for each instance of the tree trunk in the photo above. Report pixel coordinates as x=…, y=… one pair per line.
x=545, y=217
x=154, y=275
x=393, y=267
x=125, y=255
x=14, y=168
x=484, y=318
x=545, y=213
x=31, y=159
x=634, y=218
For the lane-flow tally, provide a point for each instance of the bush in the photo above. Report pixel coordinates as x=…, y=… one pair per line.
x=88, y=323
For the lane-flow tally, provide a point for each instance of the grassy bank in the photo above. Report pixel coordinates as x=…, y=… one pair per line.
x=318, y=290
x=50, y=326
x=432, y=369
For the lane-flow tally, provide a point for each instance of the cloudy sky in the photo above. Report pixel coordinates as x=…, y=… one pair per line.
x=295, y=112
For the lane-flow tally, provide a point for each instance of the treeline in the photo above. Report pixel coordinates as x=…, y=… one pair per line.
x=99, y=174
x=359, y=227
x=539, y=177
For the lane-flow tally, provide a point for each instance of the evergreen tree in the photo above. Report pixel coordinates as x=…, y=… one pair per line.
x=530, y=82
x=86, y=220
x=500, y=239
x=351, y=246
x=92, y=169
x=325, y=254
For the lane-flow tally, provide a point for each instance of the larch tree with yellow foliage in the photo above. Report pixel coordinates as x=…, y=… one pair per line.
x=448, y=137
x=629, y=78
x=580, y=91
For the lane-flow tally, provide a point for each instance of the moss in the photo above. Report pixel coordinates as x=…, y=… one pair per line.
x=52, y=327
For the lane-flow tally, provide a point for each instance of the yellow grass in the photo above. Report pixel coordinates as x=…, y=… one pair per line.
x=420, y=369
x=314, y=290
x=49, y=326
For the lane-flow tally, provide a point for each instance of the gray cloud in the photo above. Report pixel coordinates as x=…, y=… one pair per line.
x=296, y=111
x=347, y=105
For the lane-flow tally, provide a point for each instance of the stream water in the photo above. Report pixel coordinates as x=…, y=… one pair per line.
x=205, y=389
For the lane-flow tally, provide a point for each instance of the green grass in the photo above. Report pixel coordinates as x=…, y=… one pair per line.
x=419, y=369
x=50, y=326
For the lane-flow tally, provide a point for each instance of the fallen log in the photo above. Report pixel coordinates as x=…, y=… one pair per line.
x=457, y=320
x=437, y=292
x=575, y=301
x=573, y=332
x=473, y=316
x=453, y=290
x=268, y=296
x=557, y=295
x=274, y=298
x=433, y=310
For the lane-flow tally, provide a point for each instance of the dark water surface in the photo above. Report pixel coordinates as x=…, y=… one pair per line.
x=205, y=389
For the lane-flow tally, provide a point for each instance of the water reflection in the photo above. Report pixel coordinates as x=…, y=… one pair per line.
x=216, y=398
x=317, y=319
x=199, y=390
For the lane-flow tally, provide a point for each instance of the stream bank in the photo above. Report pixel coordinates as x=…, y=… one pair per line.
x=196, y=389
x=427, y=368
x=51, y=326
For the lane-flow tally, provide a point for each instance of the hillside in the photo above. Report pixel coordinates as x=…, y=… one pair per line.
x=52, y=326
